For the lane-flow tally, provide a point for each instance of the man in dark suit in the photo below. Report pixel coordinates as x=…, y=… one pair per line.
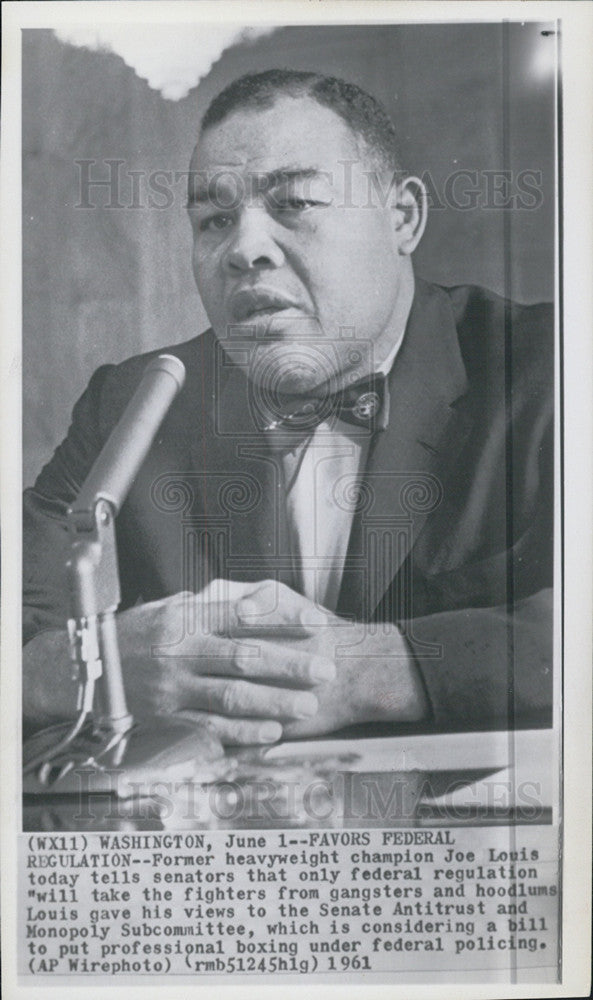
x=347, y=514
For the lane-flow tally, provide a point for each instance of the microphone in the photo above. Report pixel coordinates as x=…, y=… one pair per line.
x=109, y=751
x=126, y=448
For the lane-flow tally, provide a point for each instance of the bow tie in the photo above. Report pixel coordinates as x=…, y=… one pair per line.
x=364, y=404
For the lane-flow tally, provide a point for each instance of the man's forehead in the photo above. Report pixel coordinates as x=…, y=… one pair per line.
x=210, y=185
x=296, y=131
x=203, y=180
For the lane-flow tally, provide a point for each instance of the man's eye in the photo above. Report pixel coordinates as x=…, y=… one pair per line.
x=215, y=222
x=294, y=204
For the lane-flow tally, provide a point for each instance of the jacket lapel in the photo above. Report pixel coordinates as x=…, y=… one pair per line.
x=407, y=466
x=238, y=475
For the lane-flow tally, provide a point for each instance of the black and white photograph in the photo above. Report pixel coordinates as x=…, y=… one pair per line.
x=292, y=333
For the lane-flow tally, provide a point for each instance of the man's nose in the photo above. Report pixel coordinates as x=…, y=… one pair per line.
x=252, y=244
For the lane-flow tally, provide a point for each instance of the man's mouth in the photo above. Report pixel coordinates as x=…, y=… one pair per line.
x=251, y=303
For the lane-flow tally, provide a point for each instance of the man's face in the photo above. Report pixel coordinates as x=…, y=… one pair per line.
x=293, y=250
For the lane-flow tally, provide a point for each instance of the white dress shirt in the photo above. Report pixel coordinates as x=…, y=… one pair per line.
x=321, y=487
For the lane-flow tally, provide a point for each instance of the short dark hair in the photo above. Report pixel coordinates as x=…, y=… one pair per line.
x=365, y=116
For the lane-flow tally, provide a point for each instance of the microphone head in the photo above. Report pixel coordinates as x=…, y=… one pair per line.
x=171, y=365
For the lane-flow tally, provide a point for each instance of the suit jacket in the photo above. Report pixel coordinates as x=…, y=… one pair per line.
x=453, y=530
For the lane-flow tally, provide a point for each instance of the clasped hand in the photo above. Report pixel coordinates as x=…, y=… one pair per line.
x=255, y=662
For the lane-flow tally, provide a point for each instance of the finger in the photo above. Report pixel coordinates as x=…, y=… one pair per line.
x=295, y=730
x=214, y=610
x=242, y=699
x=273, y=605
x=220, y=656
x=242, y=618
x=221, y=590
x=226, y=607
x=268, y=661
x=237, y=732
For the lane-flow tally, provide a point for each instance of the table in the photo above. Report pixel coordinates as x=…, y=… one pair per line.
x=429, y=779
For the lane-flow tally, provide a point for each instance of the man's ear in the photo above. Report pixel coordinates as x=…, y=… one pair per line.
x=410, y=214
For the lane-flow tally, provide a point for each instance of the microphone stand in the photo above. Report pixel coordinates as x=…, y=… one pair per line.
x=105, y=750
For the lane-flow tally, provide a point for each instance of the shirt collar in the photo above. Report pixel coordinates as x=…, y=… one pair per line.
x=404, y=313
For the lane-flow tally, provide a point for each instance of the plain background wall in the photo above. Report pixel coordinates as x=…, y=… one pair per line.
x=100, y=284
